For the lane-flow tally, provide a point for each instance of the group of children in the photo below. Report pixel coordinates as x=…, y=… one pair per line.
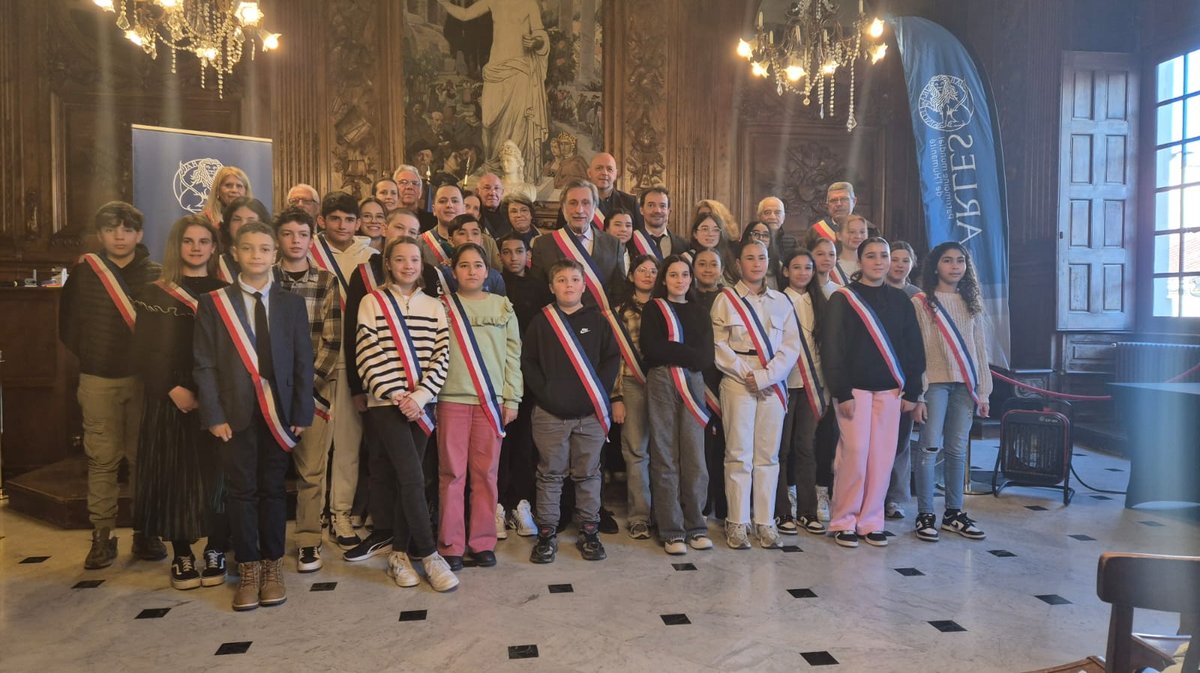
x=296, y=340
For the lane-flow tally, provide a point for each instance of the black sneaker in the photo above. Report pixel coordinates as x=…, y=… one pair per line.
x=308, y=559
x=876, y=539
x=846, y=538
x=103, y=551
x=546, y=546
x=483, y=559
x=589, y=543
x=455, y=562
x=213, y=572
x=376, y=543
x=927, y=527
x=148, y=548
x=184, y=575
x=608, y=523
x=958, y=522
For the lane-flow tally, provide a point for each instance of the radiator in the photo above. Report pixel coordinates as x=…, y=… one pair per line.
x=1146, y=362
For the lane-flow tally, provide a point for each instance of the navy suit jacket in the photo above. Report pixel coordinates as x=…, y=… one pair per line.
x=223, y=384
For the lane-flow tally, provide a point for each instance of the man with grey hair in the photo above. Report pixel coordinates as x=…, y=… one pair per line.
x=408, y=180
x=839, y=200
x=580, y=240
x=306, y=198
x=772, y=213
x=490, y=190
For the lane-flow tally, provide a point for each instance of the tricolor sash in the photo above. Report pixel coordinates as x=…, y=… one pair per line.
x=404, y=348
x=322, y=255
x=435, y=246
x=645, y=246
x=598, y=220
x=807, y=366
x=713, y=402
x=572, y=248
x=368, y=276
x=878, y=334
x=583, y=367
x=114, y=285
x=754, y=327
x=468, y=345
x=822, y=227
x=838, y=275
x=223, y=271
x=179, y=293
x=675, y=334
x=321, y=406
x=244, y=344
x=956, y=343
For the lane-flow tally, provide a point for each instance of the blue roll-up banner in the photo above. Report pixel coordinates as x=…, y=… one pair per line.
x=173, y=171
x=958, y=155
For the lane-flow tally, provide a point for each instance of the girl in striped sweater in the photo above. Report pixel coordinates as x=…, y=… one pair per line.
x=402, y=352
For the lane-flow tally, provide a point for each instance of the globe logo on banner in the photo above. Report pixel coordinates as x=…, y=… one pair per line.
x=193, y=181
x=945, y=103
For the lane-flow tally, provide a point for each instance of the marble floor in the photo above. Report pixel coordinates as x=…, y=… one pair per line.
x=1022, y=599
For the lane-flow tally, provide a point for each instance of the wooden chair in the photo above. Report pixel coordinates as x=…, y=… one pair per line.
x=1149, y=582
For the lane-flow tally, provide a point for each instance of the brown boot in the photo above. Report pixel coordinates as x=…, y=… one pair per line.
x=272, y=592
x=246, y=596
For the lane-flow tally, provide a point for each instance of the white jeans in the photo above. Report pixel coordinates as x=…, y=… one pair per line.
x=753, y=425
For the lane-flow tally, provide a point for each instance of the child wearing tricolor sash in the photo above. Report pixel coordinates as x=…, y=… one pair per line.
x=757, y=343
x=824, y=254
x=402, y=351
x=570, y=360
x=96, y=323
x=957, y=383
x=872, y=356
x=677, y=345
x=849, y=238
x=807, y=401
x=708, y=269
x=480, y=397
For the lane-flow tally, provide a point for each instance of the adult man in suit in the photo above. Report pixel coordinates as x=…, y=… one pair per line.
x=839, y=200
x=603, y=173
x=254, y=324
x=408, y=179
x=656, y=238
x=581, y=238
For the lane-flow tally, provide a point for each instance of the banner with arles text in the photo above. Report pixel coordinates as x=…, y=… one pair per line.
x=958, y=155
x=173, y=171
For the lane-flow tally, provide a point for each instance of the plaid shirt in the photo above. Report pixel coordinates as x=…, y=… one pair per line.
x=321, y=297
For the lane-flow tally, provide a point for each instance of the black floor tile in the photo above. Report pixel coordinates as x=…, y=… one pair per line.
x=1001, y=553
x=561, y=589
x=684, y=566
x=802, y=593
x=414, y=615
x=1152, y=524
x=323, y=586
x=821, y=658
x=153, y=613
x=234, y=648
x=790, y=549
x=947, y=626
x=676, y=619
x=1082, y=538
x=34, y=559
x=1035, y=508
x=909, y=572
x=1053, y=599
x=888, y=533
x=1114, y=469
x=1078, y=454
x=522, y=652
x=1100, y=497
x=87, y=584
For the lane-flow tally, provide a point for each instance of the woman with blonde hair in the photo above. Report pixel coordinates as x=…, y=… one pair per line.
x=228, y=184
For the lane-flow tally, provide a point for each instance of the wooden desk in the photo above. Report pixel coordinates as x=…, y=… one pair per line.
x=1162, y=422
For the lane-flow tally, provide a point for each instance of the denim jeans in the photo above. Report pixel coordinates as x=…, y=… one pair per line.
x=951, y=410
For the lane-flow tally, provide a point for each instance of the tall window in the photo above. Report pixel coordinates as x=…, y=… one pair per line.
x=1177, y=188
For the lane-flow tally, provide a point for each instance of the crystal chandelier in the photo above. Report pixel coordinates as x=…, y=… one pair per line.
x=805, y=54
x=216, y=31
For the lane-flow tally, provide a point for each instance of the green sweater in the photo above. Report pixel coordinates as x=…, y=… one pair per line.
x=495, y=326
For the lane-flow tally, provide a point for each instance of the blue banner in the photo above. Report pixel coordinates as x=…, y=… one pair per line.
x=173, y=171
x=959, y=158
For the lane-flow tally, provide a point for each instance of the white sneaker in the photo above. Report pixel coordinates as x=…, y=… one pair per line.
x=439, y=573
x=735, y=535
x=343, y=531
x=401, y=571
x=675, y=547
x=768, y=536
x=501, y=528
x=700, y=542
x=823, y=504
x=522, y=519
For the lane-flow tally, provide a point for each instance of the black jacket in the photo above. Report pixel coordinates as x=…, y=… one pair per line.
x=849, y=355
x=550, y=378
x=89, y=324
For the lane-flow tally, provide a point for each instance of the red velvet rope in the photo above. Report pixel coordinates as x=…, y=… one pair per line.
x=1083, y=398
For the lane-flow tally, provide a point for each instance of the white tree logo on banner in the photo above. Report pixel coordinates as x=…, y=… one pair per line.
x=945, y=103
x=193, y=181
